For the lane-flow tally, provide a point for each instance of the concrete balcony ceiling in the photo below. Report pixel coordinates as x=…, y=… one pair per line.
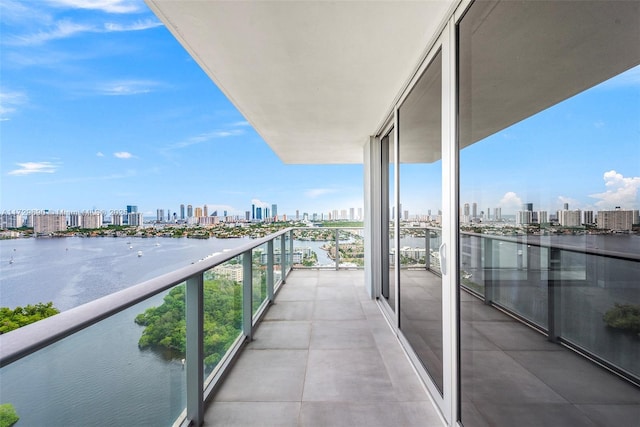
x=316, y=79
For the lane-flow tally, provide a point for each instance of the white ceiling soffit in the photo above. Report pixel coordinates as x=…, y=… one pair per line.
x=314, y=79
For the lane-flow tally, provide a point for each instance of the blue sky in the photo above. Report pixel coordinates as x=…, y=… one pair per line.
x=100, y=108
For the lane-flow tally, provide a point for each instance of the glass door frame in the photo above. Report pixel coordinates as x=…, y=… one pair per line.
x=447, y=401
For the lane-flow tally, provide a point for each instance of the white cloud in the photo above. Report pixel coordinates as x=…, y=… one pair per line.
x=127, y=87
x=313, y=193
x=99, y=154
x=510, y=201
x=61, y=30
x=260, y=203
x=9, y=101
x=205, y=137
x=34, y=167
x=136, y=26
x=123, y=155
x=620, y=191
x=109, y=6
x=241, y=124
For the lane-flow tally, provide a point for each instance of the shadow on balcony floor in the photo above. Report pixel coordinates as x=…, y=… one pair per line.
x=323, y=356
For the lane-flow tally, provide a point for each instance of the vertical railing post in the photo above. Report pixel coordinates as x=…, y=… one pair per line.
x=337, y=249
x=194, y=315
x=283, y=257
x=427, y=248
x=270, y=279
x=247, y=295
x=290, y=257
x=489, y=269
x=554, y=305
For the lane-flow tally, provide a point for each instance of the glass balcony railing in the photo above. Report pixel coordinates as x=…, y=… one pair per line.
x=149, y=354
x=152, y=353
x=579, y=297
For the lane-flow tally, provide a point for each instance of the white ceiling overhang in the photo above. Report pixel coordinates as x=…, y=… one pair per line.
x=314, y=79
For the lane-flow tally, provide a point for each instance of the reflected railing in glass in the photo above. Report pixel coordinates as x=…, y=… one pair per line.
x=581, y=297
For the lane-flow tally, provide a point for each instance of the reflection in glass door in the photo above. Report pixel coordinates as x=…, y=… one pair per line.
x=387, y=233
x=420, y=217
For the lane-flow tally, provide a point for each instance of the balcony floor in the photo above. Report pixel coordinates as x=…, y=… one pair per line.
x=323, y=356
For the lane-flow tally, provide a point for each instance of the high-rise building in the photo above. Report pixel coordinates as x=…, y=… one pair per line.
x=253, y=212
x=274, y=210
x=168, y=215
x=205, y=211
x=474, y=210
x=247, y=216
x=159, y=215
x=352, y=214
x=11, y=220
x=524, y=217
x=189, y=211
x=75, y=220
x=182, y=212
x=543, y=217
x=116, y=219
x=259, y=213
x=466, y=211
x=587, y=217
x=135, y=219
x=616, y=220
x=92, y=220
x=297, y=215
x=49, y=223
x=198, y=213
x=568, y=218
x=130, y=209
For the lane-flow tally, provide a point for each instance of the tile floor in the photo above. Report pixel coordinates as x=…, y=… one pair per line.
x=323, y=356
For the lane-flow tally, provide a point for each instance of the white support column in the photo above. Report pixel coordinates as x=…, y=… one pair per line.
x=372, y=217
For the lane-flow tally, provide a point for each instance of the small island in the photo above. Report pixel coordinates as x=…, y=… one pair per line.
x=8, y=415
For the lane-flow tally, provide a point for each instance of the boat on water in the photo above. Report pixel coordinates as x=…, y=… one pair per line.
x=139, y=253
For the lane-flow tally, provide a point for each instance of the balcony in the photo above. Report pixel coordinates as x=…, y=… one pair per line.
x=323, y=355
x=311, y=348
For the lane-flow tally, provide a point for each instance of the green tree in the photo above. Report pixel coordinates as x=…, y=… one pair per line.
x=165, y=326
x=21, y=316
x=8, y=415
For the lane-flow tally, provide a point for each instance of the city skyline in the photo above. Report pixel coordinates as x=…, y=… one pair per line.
x=100, y=107
x=125, y=116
